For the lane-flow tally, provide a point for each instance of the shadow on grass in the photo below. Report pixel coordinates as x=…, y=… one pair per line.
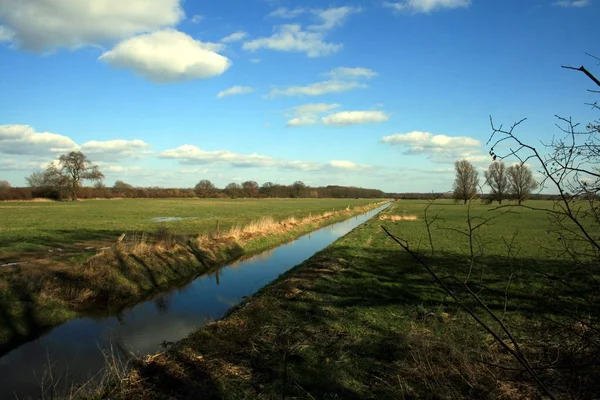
x=354, y=323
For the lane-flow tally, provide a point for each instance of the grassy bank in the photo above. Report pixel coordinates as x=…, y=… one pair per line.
x=362, y=320
x=35, y=298
x=42, y=229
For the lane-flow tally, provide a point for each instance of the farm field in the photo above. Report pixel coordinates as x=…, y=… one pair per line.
x=39, y=226
x=54, y=267
x=363, y=319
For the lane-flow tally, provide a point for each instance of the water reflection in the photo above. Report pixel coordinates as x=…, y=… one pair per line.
x=166, y=318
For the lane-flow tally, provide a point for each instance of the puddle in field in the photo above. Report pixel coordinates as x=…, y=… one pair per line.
x=74, y=347
x=171, y=219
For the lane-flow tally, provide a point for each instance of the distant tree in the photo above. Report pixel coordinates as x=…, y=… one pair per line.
x=120, y=185
x=99, y=185
x=4, y=185
x=521, y=182
x=233, y=190
x=298, y=187
x=250, y=188
x=267, y=189
x=496, y=178
x=205, y=188
x=68, y=173
x=465, y=183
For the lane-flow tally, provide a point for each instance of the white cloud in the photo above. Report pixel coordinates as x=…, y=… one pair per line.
x=6, y=35
x=307, y=114
x=302, y=121
x=255, y=60
x=571, y=3
x=192, y=155
x=314, y=109
x=197, y=18
x=236, y=90
x=167, y=56
x=24, y=140
x=47, y=24
x=115, y=149
x=349, y=166
x=333, y=17
x=288, y=13
x=351, y=73
x=234, y=37
x=292, y=38
x=439, y=148
x=426, y=6
x=355, y=117
x=316, y=89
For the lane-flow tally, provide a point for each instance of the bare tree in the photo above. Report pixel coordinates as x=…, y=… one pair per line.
x=4, y=185
x=204, y=188
x=496, y=178
x=298, y=187
x=74, y=167
x=267, y=189
x=250, y=188
x=466, y=181
x=521, y=182
x=233, y=190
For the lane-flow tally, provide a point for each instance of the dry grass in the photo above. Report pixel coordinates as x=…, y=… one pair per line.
x=130, y=270
x=395, y=218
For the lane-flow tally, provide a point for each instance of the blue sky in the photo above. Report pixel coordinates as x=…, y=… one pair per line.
x=380, y=94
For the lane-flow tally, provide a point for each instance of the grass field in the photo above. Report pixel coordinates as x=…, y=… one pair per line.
x=362, y=320
x=35, y=226
x=62, y=276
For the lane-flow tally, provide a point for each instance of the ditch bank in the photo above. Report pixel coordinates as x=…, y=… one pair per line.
x=33, y=301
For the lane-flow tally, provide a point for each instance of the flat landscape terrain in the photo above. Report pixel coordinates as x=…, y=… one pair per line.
x=27, y=227
x=363, y=319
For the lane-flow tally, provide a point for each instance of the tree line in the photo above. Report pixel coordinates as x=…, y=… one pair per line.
x=64, y=180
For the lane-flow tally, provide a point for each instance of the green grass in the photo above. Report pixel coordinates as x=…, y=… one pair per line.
x=41, y=293
x=34, y=226
x=362, y=320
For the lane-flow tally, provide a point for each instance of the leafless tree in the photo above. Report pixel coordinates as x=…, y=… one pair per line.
x=4, y=185
x=466, y=181
x=496, y=178
x=521, y=182
x=74, y=167
x=250, y=188
x=204, y=188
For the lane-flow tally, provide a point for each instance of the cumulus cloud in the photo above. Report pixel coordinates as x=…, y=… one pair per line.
x=333, y=17
x=307, y=114
x=236, y=90
x=316, y=89
x=439, y=148
x=292, y=38
x=44, y=25
x=24, y=140
x=288, y=13
x=348, y=165
x=314, y=108
x=167, y=56
x=426, y=6
x=351, y=73
x=302, y=121
x=192, y=155
x=234, y=37
x=355, y=117
x=571, y=3
x=115, y=149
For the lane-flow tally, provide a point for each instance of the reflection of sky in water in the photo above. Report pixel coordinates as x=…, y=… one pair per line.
x=168, y=317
